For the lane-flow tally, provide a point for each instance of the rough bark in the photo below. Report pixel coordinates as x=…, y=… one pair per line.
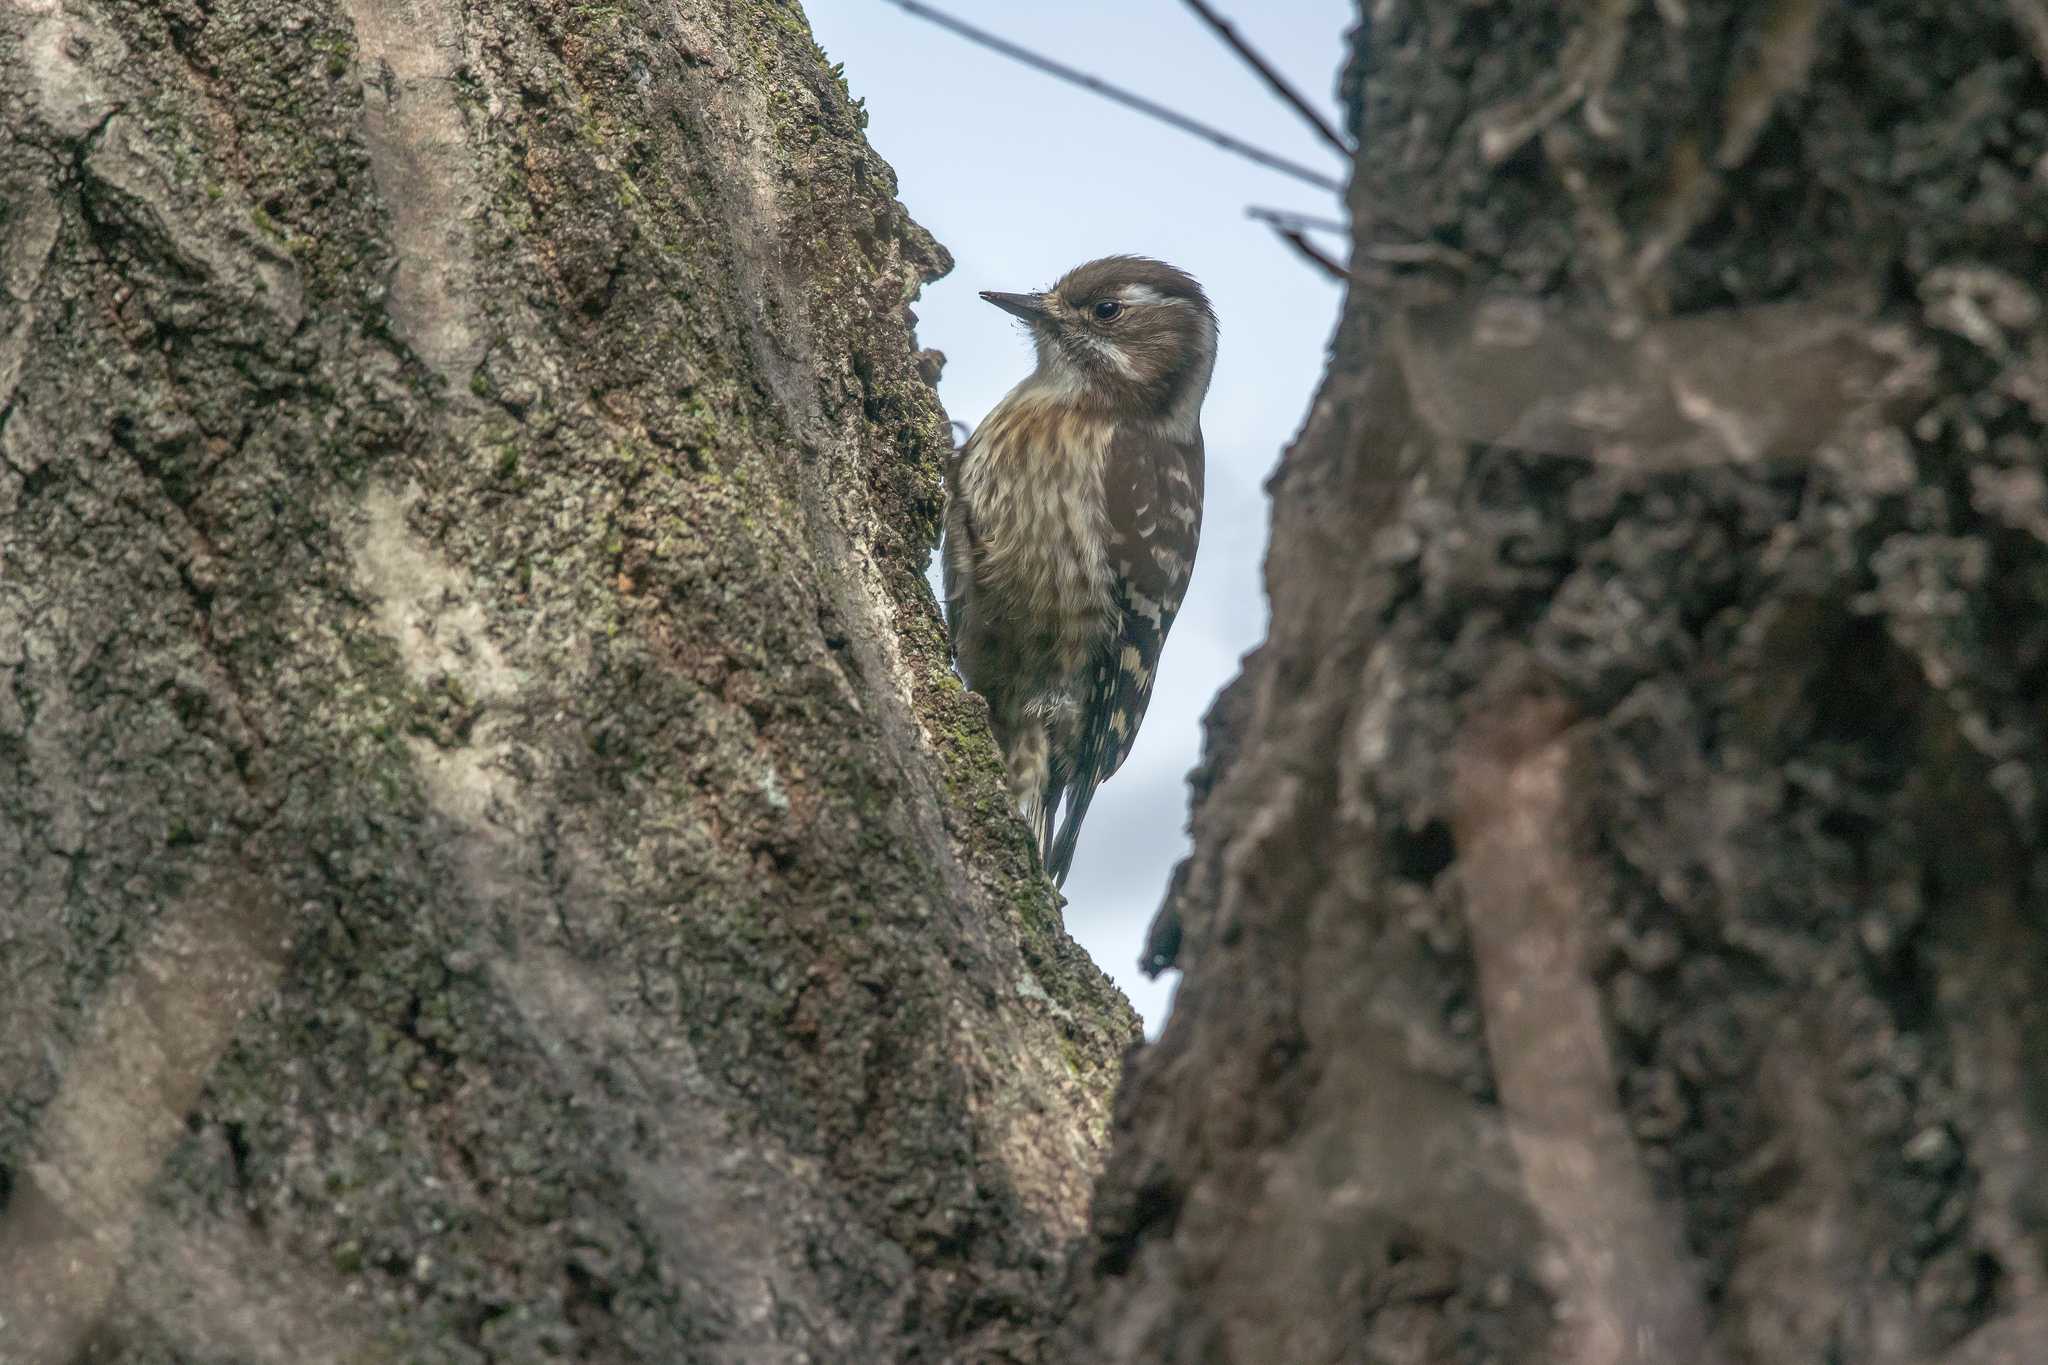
x=495, y=863
x=1614, y=931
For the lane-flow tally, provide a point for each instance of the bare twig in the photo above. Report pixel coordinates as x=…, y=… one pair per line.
x=1372, y=262
x=1228, y=34
x=1422, y=250
x=1288, y=218
x=1121, y=96
x=1314, y=254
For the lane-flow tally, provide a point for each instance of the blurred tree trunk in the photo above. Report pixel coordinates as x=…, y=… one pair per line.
x=1618, y=927
x=493, y=863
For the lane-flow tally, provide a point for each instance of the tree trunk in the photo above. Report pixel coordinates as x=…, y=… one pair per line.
x=495, y=863
x=1615, y=927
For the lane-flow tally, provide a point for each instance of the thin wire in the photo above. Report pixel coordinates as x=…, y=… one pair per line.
x=1228, y=33
x=1121, y=96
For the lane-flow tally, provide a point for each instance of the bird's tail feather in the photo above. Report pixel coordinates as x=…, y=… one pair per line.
x=1040, y=817
x=1029, y=764
x=1060, y=848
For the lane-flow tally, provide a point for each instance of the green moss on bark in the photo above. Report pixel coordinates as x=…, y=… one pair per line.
x=522, y=604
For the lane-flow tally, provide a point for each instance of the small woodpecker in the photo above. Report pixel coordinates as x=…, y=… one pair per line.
x=1072, y=516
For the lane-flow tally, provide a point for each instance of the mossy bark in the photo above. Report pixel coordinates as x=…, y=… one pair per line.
x=1615, y=924
x=494, y=864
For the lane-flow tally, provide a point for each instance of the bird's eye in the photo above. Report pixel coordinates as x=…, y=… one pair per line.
x=1107, y=310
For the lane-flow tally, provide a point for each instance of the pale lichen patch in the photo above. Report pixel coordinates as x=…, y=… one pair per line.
x=427, y=608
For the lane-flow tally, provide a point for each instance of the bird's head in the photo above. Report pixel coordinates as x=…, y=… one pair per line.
x=1127, y=333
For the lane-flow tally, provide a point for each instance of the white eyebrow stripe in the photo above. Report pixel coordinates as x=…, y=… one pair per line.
x=1144, y=293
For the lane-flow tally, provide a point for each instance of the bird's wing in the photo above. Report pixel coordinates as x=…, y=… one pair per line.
x=1152, y=487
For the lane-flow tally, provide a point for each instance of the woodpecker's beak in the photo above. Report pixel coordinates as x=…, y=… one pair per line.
x=1030, y=307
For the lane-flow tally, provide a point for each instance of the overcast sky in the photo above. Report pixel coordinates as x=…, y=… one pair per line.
x=1023, y=177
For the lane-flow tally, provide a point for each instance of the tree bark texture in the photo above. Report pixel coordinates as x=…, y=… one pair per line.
x=494, y=864
x=1615, y=930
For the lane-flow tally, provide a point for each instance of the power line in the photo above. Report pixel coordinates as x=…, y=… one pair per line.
x=1121, y=96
